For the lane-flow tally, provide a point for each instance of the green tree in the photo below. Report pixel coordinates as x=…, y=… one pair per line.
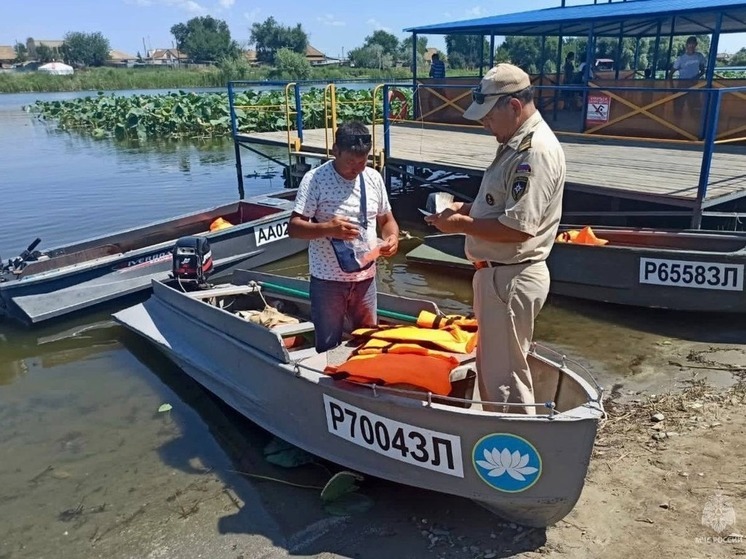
x=85, y=49
x=21, y=52
x=456, y=61
x=524, y=52
x=44, y=54
x=468, y=47
x=738, y=59
x=388, y=42
x=291, y=65
x=372, y=56
x=269, y=37
x=205, y=39
x=405, y=49
x=234, y=69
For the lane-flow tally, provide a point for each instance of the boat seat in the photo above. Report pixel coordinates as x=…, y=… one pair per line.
x=293, y=329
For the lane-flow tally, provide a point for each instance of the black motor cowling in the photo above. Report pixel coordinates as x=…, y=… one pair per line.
x=191, y=259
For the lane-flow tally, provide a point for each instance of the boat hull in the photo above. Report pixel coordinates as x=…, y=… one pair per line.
x=437, y=444
x=690, y=272
x=59, y=292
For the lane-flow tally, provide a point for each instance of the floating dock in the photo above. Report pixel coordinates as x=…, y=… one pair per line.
x=651, y=171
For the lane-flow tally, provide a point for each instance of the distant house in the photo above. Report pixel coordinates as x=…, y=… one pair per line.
x=250, y=57
x=314, y=55
x=723, y=57
x=428, y=56
x=166, y=57
x=7, y=56
x=55, y=46
x=119, y=58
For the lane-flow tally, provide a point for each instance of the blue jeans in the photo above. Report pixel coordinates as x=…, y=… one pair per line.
x=334, y=301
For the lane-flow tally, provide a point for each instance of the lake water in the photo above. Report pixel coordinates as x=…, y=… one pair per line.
x=78, y=405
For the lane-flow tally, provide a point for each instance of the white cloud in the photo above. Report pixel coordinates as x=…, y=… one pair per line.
x=329, y=19
x=227, y=3
x=189, y=6
x=377, y=25
x=253, y=15
x=476, y=11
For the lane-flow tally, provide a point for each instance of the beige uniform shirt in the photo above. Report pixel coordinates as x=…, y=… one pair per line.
x=522, y=188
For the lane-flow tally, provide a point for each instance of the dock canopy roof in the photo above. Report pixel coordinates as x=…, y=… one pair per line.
x=633, y=18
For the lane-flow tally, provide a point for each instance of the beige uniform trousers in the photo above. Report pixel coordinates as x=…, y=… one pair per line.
x=507, y=299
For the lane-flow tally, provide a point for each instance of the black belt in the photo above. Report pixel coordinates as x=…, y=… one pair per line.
x=479, y=264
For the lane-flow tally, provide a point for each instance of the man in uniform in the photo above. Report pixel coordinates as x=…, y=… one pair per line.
x=510, y=229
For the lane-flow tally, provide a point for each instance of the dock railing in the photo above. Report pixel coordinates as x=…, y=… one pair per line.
x=238, y=109
x=296, y=110
x=705, y=126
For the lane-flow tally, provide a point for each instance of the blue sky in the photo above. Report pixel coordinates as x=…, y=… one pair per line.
x=333, y=26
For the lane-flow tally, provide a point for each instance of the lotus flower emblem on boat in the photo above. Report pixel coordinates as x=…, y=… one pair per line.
x=507, y=462
x=499, y=463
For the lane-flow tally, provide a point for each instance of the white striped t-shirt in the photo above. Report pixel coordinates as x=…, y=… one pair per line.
x=322, y=194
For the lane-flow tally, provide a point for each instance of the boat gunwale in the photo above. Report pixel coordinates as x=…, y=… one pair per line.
x=55, y=273
x=626, y=248
x=592, y=409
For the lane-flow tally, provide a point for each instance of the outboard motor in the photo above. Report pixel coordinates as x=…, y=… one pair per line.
x=191, y=260
x=16, y=265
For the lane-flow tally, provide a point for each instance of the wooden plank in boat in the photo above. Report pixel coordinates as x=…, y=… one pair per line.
x=223, y=291
x=293, y=329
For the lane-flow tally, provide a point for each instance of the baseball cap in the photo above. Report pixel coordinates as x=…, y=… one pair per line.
x=503, y=79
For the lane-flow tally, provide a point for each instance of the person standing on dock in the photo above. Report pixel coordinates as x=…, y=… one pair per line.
x=691, y=64
x=337, y=208
x=510, y=229
x=569, y=79
x=437, y=67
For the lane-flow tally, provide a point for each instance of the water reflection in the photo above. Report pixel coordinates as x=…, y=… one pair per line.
x=76, y=187
x=47, y=347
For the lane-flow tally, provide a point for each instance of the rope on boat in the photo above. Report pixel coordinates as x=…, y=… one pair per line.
x=304, y=294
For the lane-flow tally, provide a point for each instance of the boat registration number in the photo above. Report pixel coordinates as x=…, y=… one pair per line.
x=271, y=232
x=686, y=273
x=414, y=445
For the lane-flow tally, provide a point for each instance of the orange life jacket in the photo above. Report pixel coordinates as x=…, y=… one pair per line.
x=426, y=319
x=431, y=372
x=585, y=236
x=374, y=346
x=219, y=224
x=451, y=338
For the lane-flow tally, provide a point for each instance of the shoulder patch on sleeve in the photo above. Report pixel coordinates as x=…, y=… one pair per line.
x=519, y=188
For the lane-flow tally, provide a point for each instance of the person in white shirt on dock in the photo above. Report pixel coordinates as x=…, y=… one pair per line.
x=691, y=64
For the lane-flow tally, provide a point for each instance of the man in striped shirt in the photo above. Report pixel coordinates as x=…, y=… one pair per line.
x=437, y=67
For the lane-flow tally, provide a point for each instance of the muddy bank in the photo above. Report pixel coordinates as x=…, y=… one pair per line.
x=665, y=481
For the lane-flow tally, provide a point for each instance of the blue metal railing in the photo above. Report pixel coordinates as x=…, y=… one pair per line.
x=711, y=122
x=279, y=84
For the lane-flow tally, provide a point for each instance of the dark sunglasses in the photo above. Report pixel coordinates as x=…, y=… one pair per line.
x=479, y=98
x=354, y=140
